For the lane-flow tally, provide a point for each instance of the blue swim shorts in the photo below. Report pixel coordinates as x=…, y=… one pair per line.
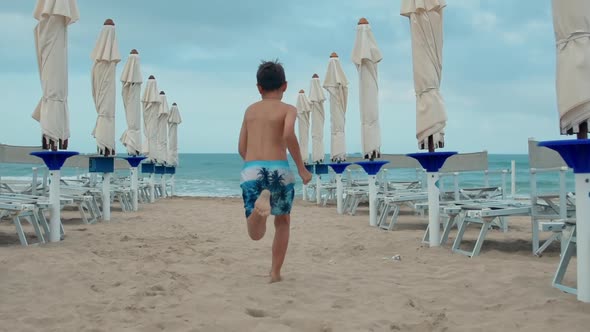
x=273, y=175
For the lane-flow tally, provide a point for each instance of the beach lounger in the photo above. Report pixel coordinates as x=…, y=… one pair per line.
x=566, y=256
x=484, y=214
x=549, y=209
x=17, y=211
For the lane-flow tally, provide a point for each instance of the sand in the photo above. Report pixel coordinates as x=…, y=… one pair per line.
x=187, y=264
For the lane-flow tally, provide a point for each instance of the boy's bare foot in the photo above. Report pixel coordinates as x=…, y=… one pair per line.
x=275, y=278
x=262, y=205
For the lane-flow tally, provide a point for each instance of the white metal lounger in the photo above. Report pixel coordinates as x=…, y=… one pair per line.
x=484, y=214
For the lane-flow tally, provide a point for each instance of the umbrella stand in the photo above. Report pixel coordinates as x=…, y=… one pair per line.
x=106, y=166
x=54, y=161
x=134, y=163
x=372, y=168
x=432, y=162
x=339, y=168
x=576, y=153
x=171, y=170
x=161, y=170
x=149, y=168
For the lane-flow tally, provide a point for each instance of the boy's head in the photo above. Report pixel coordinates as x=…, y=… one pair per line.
x=271, y=77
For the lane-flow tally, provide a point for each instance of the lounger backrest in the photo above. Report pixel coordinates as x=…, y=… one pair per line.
x=466, y=162
x=541, y=157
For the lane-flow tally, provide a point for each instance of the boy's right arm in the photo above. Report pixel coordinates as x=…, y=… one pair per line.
x=293, y=145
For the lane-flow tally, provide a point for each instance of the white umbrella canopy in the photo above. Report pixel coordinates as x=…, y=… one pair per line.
x=132, y=80
x=106, y=56
x=317, y=98
x=303, y=120
x=162, y=127
x=571, y=22
x=151, y=106
x=426, y=25
x=337, y=86
x=51, y=42
x=174, y=120
x=366, y=55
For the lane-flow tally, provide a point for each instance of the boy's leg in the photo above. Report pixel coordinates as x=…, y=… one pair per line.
x=279, y=246
x=257, y=220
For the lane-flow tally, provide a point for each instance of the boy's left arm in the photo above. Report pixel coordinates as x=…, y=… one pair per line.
x=243, y=143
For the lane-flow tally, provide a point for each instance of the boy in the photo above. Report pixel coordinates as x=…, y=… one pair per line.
x=267, y=182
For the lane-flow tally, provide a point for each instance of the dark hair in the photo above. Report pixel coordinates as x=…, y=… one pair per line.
x=270, y=75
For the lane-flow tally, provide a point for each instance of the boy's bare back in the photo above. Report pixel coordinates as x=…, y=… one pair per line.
x=265, y=124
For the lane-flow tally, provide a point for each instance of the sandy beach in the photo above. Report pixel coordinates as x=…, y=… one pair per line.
x=187, y=264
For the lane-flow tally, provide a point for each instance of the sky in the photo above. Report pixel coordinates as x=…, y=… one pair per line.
x=498, y=67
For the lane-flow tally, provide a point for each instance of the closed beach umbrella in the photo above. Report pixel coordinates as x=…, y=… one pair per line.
x=366, y=55
x=106, y=57
x=317, y=98
x=151, y=106
x=162, y=145
x=337, y=86
x=132, y=79
x=51, y=41
x=174, y=120
x=571, y=22
x=303, y=118
x=426, y=25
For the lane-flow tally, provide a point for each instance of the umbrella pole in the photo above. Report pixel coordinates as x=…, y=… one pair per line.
x=172, y=185
x=373, y=200
x=433, y=209
x=433, y=202
x=163, y=185
x=55, y=209
x=432, y=162
x=152, y=189
x=339, y=193
x=372, y=169
x=134, y=188
x=318, y=188
x=575, y=153
x=583, y=235
x=106, y=196
x=54, y=161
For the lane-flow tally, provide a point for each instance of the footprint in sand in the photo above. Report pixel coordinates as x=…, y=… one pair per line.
x=256, y=313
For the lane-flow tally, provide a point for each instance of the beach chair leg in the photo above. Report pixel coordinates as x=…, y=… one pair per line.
x=20, y=232
x=504, y=224
x=32, y=219
x=82, y=212
x=383, y=217
x=355, y=204
x=546, y=244
x=457, y=243
x=486, y=225
x=42, y=221
x=383, y=211
x=452, y=221
x=570, y=250
x=535, y=231
x=96, y=209
x=394, y=217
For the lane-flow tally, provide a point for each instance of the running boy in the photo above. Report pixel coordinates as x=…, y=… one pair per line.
x=267, y=182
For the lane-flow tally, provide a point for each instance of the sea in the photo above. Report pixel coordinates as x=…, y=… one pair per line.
x=218, y=175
